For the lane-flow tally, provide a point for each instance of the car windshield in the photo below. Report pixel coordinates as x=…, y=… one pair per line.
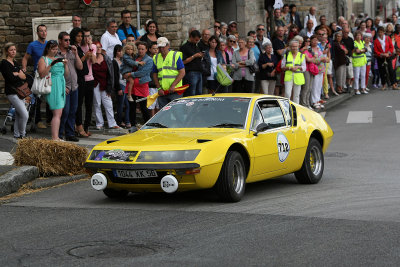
x=206, y=112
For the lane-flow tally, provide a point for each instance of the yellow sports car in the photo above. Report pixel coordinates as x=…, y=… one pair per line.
x=222, y=141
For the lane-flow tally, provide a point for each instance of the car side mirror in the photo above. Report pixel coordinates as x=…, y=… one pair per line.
x=261, y=128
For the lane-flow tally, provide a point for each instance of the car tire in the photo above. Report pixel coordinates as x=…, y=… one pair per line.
x=232, y=178
x=112, y=193
x=313, y=166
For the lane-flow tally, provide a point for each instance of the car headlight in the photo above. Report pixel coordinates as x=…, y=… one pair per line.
x=167, y=156
x=113, y=155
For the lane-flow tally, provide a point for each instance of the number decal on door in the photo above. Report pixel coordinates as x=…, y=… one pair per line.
x=283, y=147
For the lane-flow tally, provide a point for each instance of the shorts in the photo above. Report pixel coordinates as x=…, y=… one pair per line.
x=329, y=70
x=152, y=91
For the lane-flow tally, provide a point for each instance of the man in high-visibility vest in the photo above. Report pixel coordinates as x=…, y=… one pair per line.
x=168, y=71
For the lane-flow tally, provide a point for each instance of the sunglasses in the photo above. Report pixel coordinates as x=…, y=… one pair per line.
x=67, y=40
x=217, y=27
x=231, y=41
x=260, y=29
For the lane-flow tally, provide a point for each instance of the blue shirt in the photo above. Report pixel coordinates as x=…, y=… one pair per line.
x=256, y=52
x=129, y=30
x=35, y=49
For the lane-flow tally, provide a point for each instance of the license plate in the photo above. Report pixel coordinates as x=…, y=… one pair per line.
x=134, y=174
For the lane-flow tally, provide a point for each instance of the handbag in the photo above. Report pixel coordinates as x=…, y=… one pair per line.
x=252, y=68
x=23, y=90
x=205, y=67
x=313, y=69
x=42, y=86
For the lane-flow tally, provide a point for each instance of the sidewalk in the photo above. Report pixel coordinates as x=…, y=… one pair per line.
x=12, y=177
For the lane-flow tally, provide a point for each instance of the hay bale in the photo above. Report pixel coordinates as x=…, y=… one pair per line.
x=51, y=157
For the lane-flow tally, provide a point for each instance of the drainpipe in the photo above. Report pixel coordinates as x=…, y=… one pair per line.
x=153, y=9
x=138, y=13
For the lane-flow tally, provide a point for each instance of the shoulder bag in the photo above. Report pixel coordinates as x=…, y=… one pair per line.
x=42, y=86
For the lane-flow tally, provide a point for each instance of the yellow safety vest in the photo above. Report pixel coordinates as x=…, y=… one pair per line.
x=167, y=68
x=359, y=60
x=298, y=74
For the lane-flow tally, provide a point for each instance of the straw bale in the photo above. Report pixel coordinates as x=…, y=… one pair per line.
x=51, y=157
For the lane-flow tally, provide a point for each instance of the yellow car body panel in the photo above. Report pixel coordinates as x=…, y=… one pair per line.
x=260, y=152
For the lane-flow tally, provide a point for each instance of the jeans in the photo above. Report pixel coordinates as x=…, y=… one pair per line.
x=101, y=97
x=143, y=110
x=122, y=101
x=21, y=115
x=195, y=80
x=165, y=99
x=85, y=92
x=67, y=122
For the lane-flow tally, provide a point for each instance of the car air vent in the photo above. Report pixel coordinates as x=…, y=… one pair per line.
x=111, y=141
x=203, y=140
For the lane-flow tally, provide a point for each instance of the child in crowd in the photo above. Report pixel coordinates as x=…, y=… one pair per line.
x=128, y=64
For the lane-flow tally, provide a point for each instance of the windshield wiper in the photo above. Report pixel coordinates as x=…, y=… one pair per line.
x=156, y=124
x=227, y=125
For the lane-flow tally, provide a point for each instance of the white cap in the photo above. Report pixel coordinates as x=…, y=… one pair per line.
x=162, y=42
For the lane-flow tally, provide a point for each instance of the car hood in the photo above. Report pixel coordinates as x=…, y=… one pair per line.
x=170, y=137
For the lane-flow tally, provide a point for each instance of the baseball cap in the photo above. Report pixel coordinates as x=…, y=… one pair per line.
x=162, y=42
x=232, y=22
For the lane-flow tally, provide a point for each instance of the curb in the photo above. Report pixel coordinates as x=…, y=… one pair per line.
x=55, y=180
x=334, y=101
x=11, y=181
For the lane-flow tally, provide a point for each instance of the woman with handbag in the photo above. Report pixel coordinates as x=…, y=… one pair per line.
x=214, y=56
x=58, y=68
x=242, y=59
x=339, y=61
x=13, y=77
x=267, y=65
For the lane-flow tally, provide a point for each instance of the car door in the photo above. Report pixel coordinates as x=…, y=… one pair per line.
x=271, y=147
x=291, y=132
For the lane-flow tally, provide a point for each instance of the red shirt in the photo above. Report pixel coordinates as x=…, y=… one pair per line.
x=138, y=89
x=100, y=72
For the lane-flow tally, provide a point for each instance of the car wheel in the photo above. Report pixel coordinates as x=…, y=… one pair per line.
x=112, y=193
x=313, y=165
x=232, y=178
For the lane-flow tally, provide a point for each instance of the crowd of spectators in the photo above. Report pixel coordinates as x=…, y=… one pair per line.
x=305, y=59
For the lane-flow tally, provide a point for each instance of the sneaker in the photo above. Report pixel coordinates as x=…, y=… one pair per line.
x=309, y=107
x=130, y=99
x=41, y=125
x=316, y=105
x=345, y=87
x=358, y=92
x=364, y=92
x=367, y=89
x=115, y=127
x=100, y=128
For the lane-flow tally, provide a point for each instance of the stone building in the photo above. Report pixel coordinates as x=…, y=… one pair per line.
x=173, y=16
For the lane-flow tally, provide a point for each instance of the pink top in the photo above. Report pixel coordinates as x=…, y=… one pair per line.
x=85, y=49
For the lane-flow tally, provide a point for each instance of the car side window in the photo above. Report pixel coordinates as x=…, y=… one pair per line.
x=272, y=113
x=287, y=109
x=257, y=118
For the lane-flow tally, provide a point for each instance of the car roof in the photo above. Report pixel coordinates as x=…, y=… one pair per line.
x=243, y=95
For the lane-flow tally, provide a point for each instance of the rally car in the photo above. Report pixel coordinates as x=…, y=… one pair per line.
x=222, y=141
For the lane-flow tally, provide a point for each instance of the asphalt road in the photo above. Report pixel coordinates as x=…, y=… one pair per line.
x=351, y=218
